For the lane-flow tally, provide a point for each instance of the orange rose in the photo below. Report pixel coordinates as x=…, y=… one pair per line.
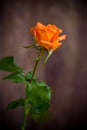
x=47, y=36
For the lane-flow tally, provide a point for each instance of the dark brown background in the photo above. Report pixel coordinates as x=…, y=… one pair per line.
x=65, y=71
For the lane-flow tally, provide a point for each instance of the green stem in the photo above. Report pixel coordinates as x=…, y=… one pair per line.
x=26, y=108
x=26, y=111
x=37, y=61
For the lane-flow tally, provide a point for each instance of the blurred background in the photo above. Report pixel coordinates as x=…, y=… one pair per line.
x=65, y=71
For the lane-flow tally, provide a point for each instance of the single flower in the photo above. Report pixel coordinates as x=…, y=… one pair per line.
x=47, y=36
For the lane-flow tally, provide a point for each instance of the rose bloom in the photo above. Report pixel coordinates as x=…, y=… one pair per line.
x=47, y=36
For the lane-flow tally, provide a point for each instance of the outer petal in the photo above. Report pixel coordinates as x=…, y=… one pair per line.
x=62, y=37
x=39, y=26
x=54, y=28
x=55, y=38
x=49, y=45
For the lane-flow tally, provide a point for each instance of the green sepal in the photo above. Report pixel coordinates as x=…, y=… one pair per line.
x=48, y=56
x=32, y=46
